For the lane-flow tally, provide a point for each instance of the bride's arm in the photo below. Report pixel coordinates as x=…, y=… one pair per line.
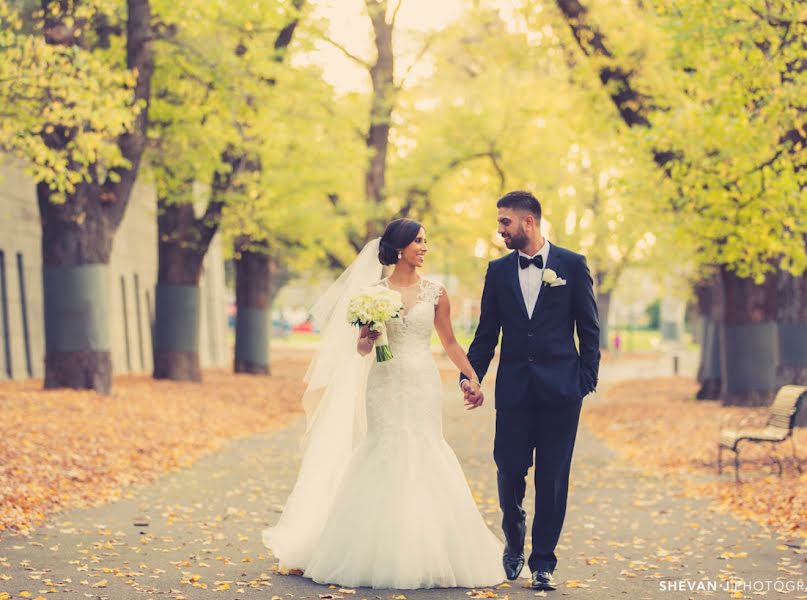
x=442, y=322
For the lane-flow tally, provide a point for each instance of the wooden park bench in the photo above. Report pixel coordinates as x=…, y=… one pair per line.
x=778, y=428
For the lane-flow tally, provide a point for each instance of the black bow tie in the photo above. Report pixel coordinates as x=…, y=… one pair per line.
x=525, y=262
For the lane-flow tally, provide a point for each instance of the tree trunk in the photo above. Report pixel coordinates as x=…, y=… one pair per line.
x=183, y=243
x=76, y=246
x=252, y=297
x=382, y=77
x=176, y=330
x=748, y=340
x=77, y=234
x=711, y=307
x=603, y=307
x=792, y=324
x=792, y=329
x=252, y=264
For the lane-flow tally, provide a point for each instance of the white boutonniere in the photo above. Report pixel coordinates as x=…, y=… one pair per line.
x=551, y=278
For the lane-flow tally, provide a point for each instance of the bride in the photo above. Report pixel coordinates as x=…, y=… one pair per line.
x=381, y=500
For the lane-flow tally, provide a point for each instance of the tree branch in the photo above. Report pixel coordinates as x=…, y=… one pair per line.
x=140, y=60
x=395, y=14
x=420, y=55
x=283, y=39
x=772, y=20
x=347, y=53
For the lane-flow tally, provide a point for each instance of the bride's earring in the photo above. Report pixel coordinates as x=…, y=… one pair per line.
x=400, y=255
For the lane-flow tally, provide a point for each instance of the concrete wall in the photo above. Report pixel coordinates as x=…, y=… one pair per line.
x=132, y=277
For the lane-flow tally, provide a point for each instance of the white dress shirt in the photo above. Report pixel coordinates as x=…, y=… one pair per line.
x=531, y=277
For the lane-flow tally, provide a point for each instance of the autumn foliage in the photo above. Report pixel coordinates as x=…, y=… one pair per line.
x=657, y=424
x=70, y=449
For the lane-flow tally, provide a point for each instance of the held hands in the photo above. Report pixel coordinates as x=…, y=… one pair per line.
x=366, y=340
x=473, y=394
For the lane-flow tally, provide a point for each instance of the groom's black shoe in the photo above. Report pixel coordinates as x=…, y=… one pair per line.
x=513, y=563
x=542, y=580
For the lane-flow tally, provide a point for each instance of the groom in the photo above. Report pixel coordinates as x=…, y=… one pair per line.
x=537, y=296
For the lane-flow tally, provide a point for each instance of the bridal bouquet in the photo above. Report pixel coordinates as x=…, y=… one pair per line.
x=372, y=306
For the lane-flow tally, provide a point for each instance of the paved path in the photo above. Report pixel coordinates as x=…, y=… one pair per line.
x=628, y=534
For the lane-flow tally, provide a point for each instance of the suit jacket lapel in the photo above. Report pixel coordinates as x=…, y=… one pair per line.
x=550, y=264
x=517, y=285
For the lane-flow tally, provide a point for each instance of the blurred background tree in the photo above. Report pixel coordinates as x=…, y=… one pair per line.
x=665, y=139
x=75, y=95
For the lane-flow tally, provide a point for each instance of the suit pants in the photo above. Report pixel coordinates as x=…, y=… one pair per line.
x=548, y=432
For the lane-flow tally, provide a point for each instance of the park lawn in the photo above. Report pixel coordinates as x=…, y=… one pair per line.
x=657, y=424
x=66, y=449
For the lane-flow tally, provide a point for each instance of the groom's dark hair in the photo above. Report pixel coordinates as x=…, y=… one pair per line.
x=521, y=200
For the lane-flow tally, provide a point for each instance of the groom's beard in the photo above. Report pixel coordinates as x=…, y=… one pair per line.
x=516, y=242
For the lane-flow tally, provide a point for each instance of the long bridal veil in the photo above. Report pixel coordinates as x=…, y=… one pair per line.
x=334, y=403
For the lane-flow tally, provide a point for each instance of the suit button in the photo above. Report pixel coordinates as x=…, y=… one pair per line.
x=530, y=334
x=531, y=359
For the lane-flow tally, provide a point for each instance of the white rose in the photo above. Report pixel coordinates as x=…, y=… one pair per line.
x=550, y=276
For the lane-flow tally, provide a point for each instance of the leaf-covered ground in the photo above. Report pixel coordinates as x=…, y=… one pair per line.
x=69, y=449
x=196, y=532
x=656, y=423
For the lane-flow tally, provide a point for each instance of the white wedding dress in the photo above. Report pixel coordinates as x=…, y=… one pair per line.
x=402, y=516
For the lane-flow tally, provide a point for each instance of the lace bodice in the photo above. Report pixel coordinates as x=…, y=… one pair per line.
x=413, y=330
x=404, y=394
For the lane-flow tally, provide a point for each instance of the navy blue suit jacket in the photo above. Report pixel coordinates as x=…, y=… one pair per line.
x=539, y=361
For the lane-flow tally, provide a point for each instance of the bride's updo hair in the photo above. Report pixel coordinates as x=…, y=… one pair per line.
x=398, y=235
